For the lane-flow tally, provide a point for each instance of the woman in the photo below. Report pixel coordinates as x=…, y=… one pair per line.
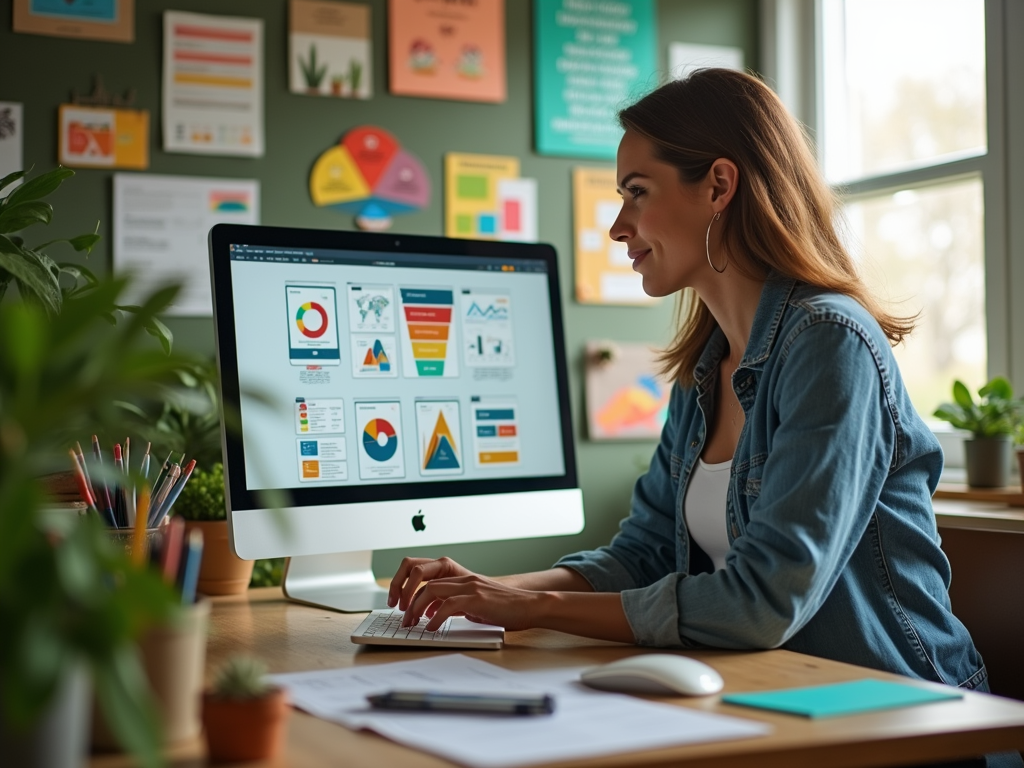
x=788, y=504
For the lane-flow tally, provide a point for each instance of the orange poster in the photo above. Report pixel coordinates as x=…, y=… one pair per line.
x=439, y=49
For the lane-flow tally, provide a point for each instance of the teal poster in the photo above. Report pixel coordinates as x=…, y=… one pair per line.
x=593, y=57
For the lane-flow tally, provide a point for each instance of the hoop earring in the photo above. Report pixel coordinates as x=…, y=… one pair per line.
x=707, y=248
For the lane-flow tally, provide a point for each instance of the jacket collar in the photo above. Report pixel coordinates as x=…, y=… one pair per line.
x=770, y=308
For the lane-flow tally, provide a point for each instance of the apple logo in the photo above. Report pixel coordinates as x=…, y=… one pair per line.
x=417, y=522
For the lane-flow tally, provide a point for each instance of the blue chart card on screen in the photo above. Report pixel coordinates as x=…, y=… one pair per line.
x=842, y=698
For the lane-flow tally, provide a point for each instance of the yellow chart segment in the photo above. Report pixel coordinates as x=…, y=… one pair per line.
x=214, y=80
x=336, y=178
x=422, y=350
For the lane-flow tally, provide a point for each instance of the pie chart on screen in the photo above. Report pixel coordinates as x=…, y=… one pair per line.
x=379, y=440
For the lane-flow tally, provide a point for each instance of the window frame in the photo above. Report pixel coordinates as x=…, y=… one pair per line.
x=792, y=62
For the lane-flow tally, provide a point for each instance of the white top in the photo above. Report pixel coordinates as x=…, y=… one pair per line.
x=704, y=509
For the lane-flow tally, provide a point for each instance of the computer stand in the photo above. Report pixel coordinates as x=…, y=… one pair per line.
x=340, y=581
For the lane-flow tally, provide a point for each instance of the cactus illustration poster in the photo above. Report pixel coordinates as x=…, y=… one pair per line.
x=447, y=50
x=329, y=49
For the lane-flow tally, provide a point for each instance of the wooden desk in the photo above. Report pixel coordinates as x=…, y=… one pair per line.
x=984, y=541
x=292, y=637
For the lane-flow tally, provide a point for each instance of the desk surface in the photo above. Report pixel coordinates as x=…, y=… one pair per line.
x=293, y=637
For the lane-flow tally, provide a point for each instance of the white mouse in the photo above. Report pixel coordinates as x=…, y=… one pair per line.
x=662, y=674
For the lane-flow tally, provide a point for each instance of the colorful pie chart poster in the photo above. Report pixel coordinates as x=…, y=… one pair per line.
x=312, y=325
x=440, y=441
x=368, y=174
x=428, y=335
x=380, y=440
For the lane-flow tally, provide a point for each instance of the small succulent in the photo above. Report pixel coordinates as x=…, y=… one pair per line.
x=242, y=677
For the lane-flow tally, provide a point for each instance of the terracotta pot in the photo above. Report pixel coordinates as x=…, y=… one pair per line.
x=244, y=729
x=221, y=571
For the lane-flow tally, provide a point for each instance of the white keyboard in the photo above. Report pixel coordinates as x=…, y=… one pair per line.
x=384, y=627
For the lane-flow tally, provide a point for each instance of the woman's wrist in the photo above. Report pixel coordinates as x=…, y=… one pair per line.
x=588, y=614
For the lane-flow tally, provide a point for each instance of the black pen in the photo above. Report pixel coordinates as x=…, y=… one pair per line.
x=496, y=704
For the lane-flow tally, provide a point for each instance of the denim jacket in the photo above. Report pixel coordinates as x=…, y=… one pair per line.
x=834, y=550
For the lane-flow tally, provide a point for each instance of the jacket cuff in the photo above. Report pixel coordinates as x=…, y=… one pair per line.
x=653, y=613
x=600, y=568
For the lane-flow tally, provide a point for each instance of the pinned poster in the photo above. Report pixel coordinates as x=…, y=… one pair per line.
x=112, y=20
x=447, y=50
x=486, y=200
x=213, y=84
x=97, y=137
x=370, y=175
x=627, y=398
x=11, y=145
x=329, y=49
x=604, y=271
x=590, y=60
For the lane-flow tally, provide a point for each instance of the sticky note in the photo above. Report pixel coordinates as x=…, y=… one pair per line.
x=842, y=698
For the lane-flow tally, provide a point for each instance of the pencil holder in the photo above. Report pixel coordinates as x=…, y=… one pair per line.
x=123, y=537
x=174, y=658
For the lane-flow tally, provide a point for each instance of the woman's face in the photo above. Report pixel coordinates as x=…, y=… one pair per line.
x=662, y=221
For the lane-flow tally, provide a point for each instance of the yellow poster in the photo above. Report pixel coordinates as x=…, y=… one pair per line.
x=473, y=199
x=103, y=137
x=604, y=271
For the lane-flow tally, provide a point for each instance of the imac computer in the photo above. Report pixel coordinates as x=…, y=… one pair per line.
x=399, y=390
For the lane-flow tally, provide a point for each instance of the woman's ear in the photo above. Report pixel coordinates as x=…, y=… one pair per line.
x=724, y=177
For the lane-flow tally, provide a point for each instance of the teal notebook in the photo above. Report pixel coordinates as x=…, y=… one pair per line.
x=841, y=698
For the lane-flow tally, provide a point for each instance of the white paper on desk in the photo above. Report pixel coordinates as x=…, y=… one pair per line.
x=161, y=225
x=586, y=723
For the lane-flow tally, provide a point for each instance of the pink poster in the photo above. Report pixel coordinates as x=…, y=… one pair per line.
x=447, y=50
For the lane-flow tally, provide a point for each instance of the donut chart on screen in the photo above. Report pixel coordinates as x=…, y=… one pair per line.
x=369, y=174
x=304, y=329
x=371, y=440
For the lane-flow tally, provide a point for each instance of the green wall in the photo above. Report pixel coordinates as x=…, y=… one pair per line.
x=40, y=72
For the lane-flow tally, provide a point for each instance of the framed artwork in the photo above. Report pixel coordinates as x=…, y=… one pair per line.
x=112, y=20
x=447, y=50
x=103, y=137
x=627, y=399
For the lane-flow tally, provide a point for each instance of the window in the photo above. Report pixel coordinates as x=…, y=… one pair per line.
x=902, y=132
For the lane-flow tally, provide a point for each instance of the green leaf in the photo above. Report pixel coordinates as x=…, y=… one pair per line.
x=954, y=414
x=997, y=389
x=127, y=705
x=40, y=186
x=18, y=217
x=33, y=278
x=24, y=335
x=962, y=395
x=10, y=178
x=80, y=243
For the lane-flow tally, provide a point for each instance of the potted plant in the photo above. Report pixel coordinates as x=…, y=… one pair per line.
x=991, y=421
x=201, y=504
x=71, y=604
x=1018, y=441
x=244, y=717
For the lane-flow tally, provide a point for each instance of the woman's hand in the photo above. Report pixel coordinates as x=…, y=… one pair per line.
x=415, y=571
x=479, y=599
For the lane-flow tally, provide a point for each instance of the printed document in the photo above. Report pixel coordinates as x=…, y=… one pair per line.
x=585, y=723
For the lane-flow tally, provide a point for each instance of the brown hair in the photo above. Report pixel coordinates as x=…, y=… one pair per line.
x=782, y=214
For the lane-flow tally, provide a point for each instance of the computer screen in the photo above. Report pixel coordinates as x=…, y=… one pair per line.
x=402, y=390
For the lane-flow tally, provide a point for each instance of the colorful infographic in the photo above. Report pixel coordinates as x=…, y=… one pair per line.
x=312, y=325
x=447, y=50
x=380, y=440
x=487, y=329
x=428, y=343
x=322, y=458
x=437, y=422
x=374, y=356
x=321, y=416
x=604, y=271
x=495, y=433
x=329, y=49
x=103, y=138
x=370, y=175
x=486, y=200
x=626, y=396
